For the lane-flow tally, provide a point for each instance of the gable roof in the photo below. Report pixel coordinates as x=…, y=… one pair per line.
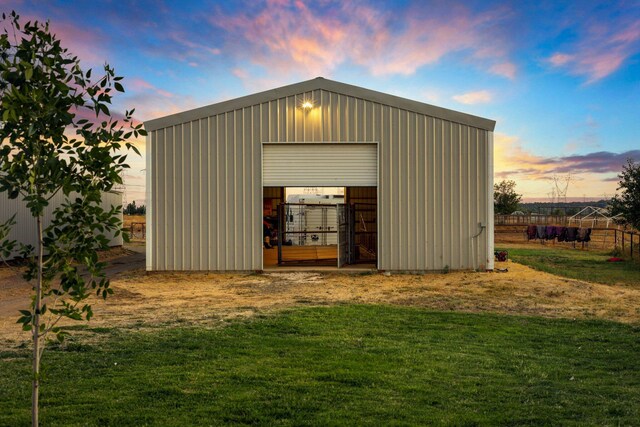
x=320, y=83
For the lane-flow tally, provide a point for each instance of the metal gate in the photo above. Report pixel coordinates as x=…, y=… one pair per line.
x=346, y=234
x=316, y=234
x=307, y=234
x=343, y=241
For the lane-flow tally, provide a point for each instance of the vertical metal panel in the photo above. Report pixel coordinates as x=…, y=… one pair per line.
x=225, y=190
x=254, y=186
x=178, y=206
x=159, y=199
x=420, y=166
x=434, y=183
x=489, y=196
x=205, y=160
x=171, y=227
x=192, y=182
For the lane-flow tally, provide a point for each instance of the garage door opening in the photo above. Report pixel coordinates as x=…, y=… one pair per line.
x=319, y=227
x=320, y=204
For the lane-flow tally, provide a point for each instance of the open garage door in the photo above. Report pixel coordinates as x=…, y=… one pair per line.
x=319, y=164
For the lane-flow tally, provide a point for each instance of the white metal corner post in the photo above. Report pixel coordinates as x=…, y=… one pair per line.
x=259, y=219
x=149, y=202
x=490, y=218
x=378, y=208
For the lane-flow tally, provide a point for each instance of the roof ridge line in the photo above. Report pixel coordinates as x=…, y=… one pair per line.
x=321, y=83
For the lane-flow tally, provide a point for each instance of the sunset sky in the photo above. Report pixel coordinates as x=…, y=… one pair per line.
x=562, y=79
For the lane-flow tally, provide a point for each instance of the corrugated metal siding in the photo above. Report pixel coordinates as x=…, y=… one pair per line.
x=320, y=165
x=25, y=229
x=433, y=176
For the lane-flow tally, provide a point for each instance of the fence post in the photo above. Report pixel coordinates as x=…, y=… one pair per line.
x=632, y=234
x=622, y=241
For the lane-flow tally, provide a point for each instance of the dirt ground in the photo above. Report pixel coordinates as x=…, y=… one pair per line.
x=144, y=300
x=127, y=220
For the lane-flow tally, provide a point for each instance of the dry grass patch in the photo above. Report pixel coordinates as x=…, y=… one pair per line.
x=149, y=300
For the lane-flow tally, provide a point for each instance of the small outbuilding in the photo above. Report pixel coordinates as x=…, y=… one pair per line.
x=417, y=182
x=25, y=231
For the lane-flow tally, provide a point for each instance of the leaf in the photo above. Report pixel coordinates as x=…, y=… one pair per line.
x=104, y=109
x=118, y=87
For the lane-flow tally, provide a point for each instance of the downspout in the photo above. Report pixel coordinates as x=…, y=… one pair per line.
x=473, y=245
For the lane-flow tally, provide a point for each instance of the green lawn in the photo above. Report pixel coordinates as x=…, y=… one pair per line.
x=576, y=264
x=373, y=365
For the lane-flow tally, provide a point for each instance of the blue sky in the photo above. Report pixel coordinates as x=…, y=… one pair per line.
x=562, y=79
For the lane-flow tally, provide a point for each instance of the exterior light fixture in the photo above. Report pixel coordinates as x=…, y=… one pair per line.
x=306, y=104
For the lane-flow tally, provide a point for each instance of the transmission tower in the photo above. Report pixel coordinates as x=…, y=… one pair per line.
x=122, y=189
x=561, y=184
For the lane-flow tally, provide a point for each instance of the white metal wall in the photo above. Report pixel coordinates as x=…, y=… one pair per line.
x=204, y=183
x=25, y=230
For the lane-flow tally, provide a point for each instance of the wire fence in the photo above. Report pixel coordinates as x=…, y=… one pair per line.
x=563, y=220
x=603, y=238
x=137, y=230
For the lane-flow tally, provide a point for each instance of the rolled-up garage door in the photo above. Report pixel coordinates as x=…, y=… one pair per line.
x=320, y=165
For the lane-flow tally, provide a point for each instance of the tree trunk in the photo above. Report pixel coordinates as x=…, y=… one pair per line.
x=36, y=333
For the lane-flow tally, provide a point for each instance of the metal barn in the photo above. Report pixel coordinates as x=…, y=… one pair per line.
x=417, y=179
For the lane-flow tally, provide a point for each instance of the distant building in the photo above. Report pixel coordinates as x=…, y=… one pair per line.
x=25, y=231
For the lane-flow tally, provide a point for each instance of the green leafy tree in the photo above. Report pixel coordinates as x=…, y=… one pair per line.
x=133, y=209
x=627, y=202
x=58, y=136
x=505, y=198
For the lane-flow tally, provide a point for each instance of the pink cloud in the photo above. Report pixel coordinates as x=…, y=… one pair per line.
x=504, y=69
x=477, y=97
x=560, y=59
x=601, y=51
x=240, y=73
x=140, y=85
x=192, y=47
x=87, y=45
x=151, y=104
x=294, y=37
